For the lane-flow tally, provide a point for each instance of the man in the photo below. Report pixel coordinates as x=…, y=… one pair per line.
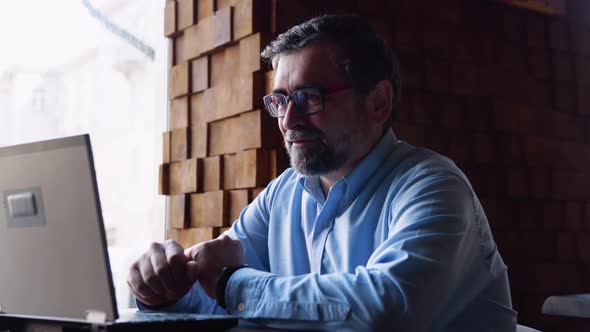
x=364, y=232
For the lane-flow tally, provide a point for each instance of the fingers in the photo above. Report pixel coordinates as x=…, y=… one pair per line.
x=176, y=260
x=162, y=270
x=149, y=276
x=192, y=272
x=135, y=281
x=160, y=275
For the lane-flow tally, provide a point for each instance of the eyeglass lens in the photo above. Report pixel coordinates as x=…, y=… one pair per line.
x=307, y=101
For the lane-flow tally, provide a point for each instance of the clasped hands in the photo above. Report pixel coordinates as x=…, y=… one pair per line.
x=166, y=271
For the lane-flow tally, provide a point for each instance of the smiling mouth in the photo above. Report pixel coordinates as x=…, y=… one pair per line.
x=303, y=142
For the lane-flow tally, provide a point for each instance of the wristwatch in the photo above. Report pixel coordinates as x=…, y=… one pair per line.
x=224, y=276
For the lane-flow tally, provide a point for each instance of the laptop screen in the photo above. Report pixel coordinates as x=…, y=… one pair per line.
x=53, y=257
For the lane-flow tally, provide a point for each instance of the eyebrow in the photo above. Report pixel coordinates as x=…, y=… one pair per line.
x=297, y=87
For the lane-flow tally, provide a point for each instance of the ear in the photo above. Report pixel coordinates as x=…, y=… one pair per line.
x=381, y=102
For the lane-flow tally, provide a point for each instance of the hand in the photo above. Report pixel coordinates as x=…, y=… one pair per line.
x=162, y=275
x=211, y=257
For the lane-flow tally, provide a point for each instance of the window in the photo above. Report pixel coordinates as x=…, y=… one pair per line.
x=97, y=67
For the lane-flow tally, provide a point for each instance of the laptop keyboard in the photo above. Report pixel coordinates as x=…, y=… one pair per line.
x=142, y=316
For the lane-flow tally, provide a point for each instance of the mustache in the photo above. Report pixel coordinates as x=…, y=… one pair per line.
x=303, y=134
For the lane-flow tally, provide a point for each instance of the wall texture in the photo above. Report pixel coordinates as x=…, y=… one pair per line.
x=222, y=148
x=502, y=91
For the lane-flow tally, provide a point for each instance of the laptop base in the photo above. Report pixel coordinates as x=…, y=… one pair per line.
x=20, y=324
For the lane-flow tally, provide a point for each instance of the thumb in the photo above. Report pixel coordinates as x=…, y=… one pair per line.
x=192, y=271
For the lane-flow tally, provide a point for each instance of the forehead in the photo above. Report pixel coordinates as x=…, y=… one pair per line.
x=311, y=65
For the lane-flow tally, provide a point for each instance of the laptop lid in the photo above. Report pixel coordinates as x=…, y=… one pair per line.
x=53, y=256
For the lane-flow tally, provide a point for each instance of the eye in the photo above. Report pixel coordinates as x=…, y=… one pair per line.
x=310, y=97
x=278, y=100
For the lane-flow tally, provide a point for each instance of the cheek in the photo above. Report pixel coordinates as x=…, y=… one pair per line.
x=281, y=127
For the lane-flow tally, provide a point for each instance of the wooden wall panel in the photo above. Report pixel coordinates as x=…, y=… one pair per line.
x=199, y=134
x=249, y=15
x=198, y=210
x=196, y=39
x=222, y=26
x=223, y=136
x=185, y=176
x=212, y=173
x=205, y=9
x=209, y=209
x=237, y=201
x=166, y=147
x=252, y=87
x=251, y=168
x=179, y=80
x=179, y=53
x=200, y=74
x=169, y=18
x=186, y=13
x=255, y=192
x=258, y=130
x=202, y=106
x=278, y=162
x=177, y=210
x=222, y=147
x=179, y=144
x=250, y=49
x=164, y=179
x=229, y=171
x=179, y=113
x=171, y=55
x=218, y=68
x=210, y=33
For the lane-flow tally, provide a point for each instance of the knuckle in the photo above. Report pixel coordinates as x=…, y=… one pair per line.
x=176, y=258
x=154, y=246
x=208, y=245
x=170, y=242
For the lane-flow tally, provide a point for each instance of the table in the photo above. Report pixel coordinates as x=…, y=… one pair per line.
x=573, y=305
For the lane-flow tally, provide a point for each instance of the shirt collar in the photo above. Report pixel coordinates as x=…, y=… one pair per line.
x=358, y=177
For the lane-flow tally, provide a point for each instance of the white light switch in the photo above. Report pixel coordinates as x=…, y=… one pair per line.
x=22, y=205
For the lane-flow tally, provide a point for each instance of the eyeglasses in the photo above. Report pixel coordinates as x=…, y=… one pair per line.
x=307, y=100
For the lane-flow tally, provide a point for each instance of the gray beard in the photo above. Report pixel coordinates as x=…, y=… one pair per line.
x=322, y=160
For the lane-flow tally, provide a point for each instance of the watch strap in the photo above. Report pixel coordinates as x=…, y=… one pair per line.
x=224, y=276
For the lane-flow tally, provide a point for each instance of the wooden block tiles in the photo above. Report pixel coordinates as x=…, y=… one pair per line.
x=498, y=90
x=221, y=148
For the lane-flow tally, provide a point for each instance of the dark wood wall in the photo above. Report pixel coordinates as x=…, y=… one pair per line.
x=503, y=91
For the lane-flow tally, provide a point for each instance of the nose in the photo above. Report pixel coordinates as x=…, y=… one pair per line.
x=293, y=118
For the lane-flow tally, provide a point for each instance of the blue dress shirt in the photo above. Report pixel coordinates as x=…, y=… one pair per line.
x=399, y=244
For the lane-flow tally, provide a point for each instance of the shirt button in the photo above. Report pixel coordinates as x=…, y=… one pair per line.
x=241, y=307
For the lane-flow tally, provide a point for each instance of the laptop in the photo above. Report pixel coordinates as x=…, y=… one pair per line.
x=55, y=273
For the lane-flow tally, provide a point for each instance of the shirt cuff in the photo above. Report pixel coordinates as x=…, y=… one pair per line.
x=255, y=294
x=243, y=291
x=178, y=306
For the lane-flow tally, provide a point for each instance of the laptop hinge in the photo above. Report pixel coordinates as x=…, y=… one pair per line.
x=96, y=316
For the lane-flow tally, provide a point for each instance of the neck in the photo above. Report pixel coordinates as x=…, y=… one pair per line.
x=329, y=180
